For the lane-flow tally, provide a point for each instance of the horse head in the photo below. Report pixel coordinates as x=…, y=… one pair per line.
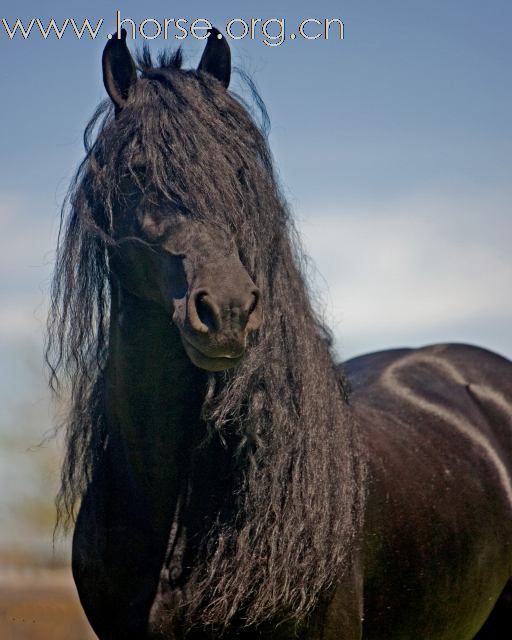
x=191, y=267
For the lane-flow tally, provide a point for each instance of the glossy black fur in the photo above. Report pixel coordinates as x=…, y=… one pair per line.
x=435, y=553
x=437, y=548
x=282, y=497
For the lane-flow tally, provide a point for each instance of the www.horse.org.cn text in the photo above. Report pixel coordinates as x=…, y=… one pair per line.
x=272, y=32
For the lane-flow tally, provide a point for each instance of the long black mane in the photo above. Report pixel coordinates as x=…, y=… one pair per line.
x=183, y=138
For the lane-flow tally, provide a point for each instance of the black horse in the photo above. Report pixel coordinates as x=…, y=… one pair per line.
x=232, y=481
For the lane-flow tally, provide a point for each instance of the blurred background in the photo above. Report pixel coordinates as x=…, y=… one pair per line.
x=394, y=148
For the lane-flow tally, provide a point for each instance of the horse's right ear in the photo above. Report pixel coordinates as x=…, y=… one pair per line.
x=119, y=71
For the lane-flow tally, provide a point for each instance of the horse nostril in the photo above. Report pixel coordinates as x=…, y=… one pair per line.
x=203, y=313
x=254, y=311
x=253, y=304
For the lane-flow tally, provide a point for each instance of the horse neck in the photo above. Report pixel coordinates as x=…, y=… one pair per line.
x=154, y=399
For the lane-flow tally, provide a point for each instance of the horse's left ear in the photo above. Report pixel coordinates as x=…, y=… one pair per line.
x=119, y=71
x=216, y=58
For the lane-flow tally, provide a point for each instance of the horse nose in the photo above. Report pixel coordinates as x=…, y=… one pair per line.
x=209, y=313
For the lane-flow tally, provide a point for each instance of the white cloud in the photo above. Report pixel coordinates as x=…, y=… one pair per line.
x=22, y=320
x=28, y=237
x=412, y=269
x=27, y=247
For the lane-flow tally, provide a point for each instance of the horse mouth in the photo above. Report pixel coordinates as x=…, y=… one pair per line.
x=211, y=363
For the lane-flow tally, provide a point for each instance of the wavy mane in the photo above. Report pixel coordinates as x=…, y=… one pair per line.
x=301, y=475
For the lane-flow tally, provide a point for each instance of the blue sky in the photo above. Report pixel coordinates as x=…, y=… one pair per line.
x=394, y=148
